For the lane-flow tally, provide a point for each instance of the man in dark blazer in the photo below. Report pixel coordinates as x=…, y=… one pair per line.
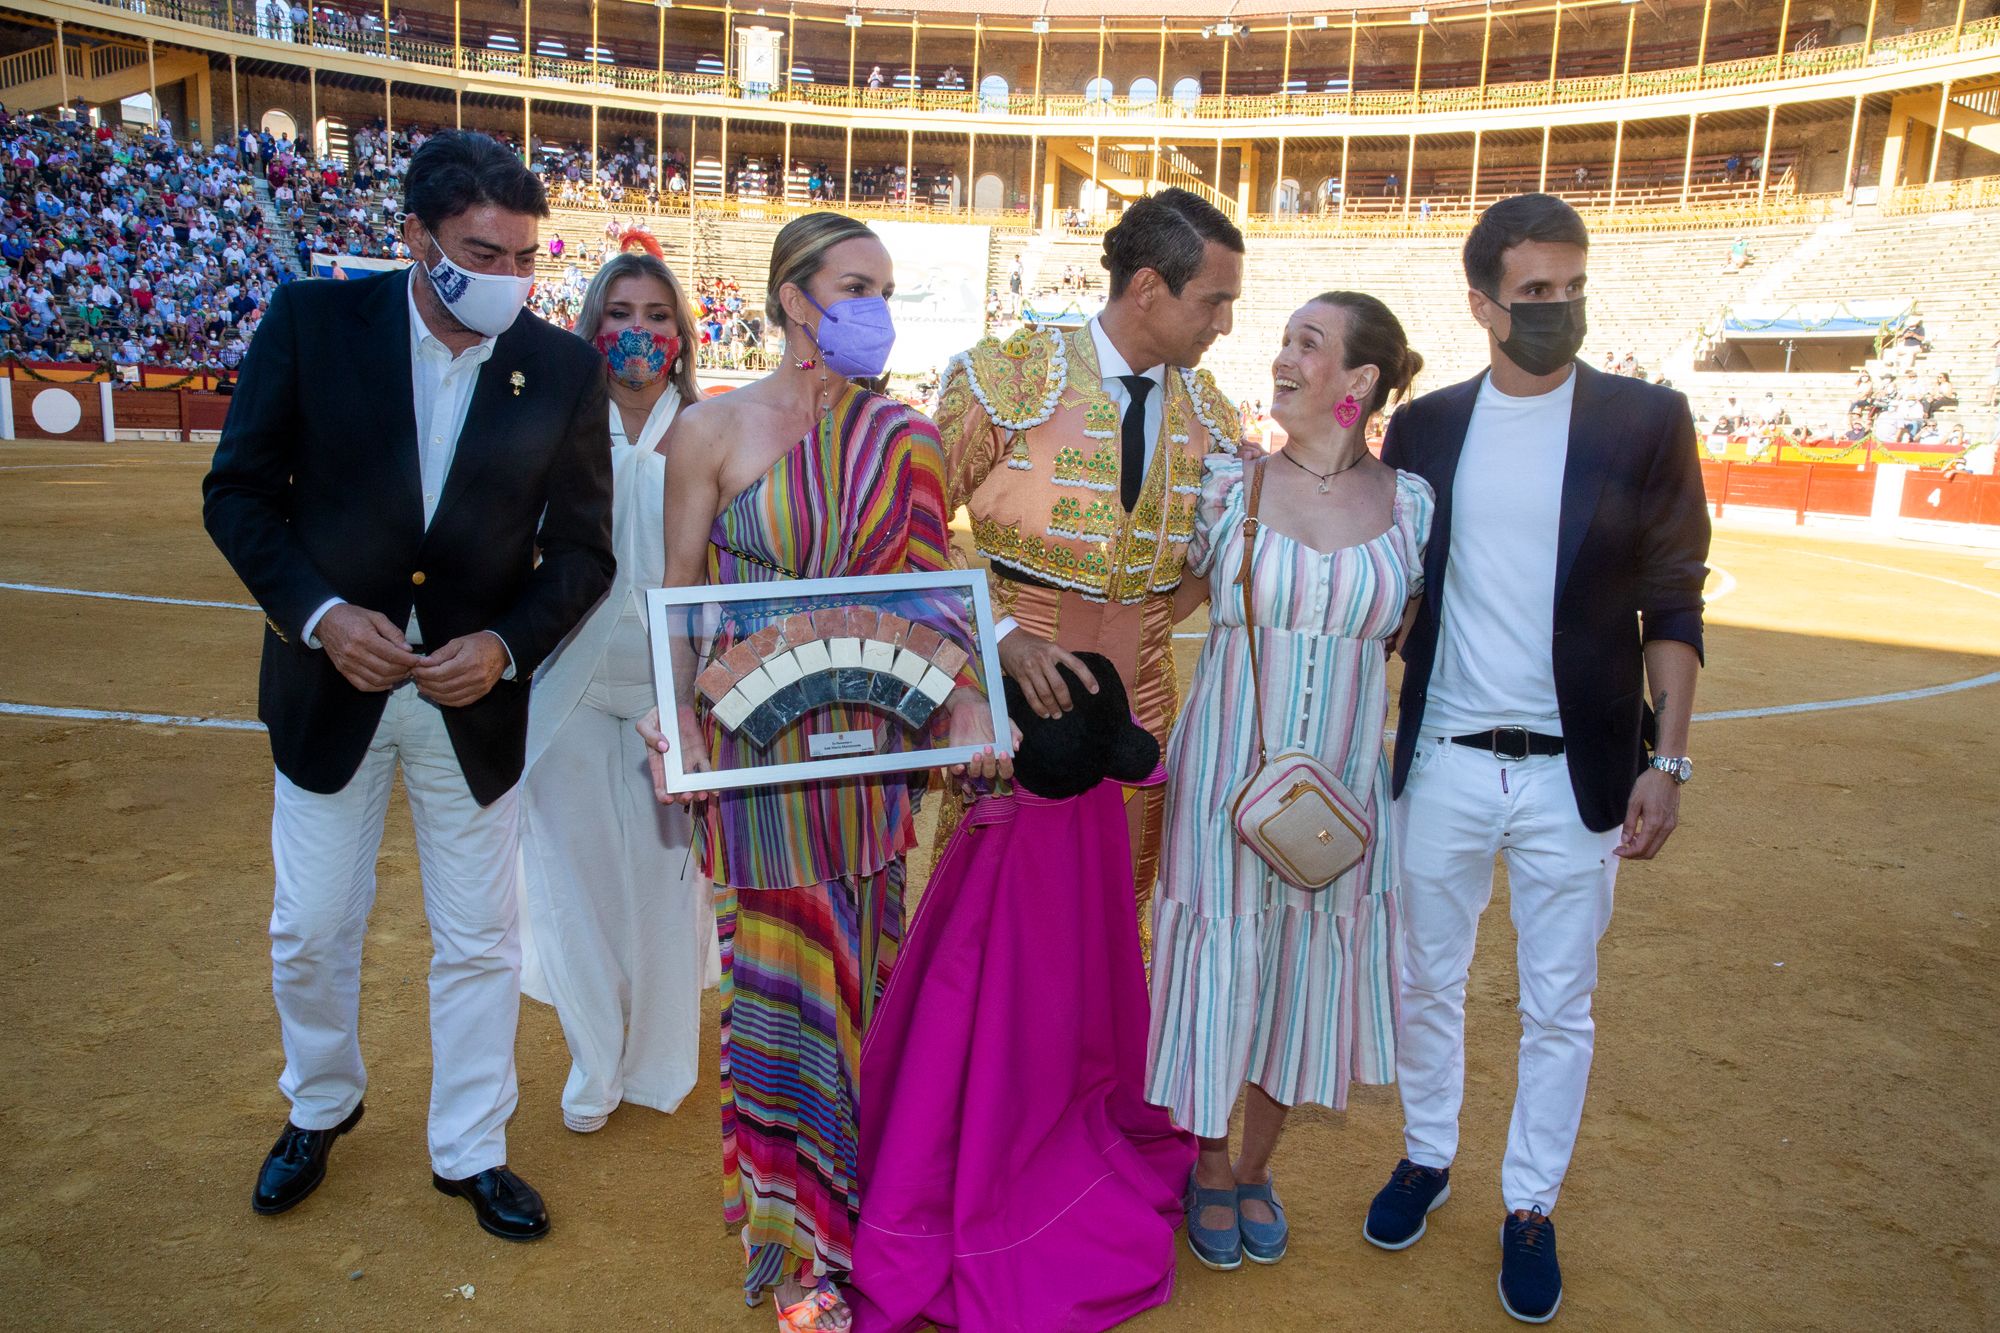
x=413, y=483
x=1562, y=580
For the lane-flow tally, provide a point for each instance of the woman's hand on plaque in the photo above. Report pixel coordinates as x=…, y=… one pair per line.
x=694, y=754
x=972, y=724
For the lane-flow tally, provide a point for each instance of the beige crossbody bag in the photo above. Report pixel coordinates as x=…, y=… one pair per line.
x=1293, y=812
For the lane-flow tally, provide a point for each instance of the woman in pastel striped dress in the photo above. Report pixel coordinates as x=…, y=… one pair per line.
x=804, y=474
x=1253, y=980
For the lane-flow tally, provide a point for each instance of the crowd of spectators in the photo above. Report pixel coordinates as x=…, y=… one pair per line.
x=127, y=249
x=630, y=174
x=732, y=330
x=331, y=210
x=1900, y=409
x=291, y=21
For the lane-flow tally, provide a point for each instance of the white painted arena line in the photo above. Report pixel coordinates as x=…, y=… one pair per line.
x=1860, y=701
x=56, y=591
x=123, y=462
x=1727, y=585
x=144, y=719
x=1728, y=715
x=1898, y=569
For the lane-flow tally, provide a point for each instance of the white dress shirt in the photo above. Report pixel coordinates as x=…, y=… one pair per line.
x=1111, y=365
x=441, y=387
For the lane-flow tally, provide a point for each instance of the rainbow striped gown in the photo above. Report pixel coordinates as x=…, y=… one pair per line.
x=809, y=876
x=1252, y=978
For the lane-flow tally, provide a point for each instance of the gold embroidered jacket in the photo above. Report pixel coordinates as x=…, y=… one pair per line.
x=1032, y=449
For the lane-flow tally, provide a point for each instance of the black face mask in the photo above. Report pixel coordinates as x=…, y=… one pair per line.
x=1546, y=335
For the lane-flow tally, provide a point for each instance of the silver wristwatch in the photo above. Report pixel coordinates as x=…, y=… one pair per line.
x=1680, y=770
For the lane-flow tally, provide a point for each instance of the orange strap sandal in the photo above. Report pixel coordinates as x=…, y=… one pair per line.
x=824, y=1310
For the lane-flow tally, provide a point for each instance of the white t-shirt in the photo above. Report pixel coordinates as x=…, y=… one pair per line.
x=1495, y=658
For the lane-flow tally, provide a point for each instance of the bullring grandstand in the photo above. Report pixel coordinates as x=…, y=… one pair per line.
x=1780, y=191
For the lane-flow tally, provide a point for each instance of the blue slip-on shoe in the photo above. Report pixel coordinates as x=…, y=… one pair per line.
x=1531, y=1283
x=1263, y=1242
x=1399, y=1216
x=1220, y=1248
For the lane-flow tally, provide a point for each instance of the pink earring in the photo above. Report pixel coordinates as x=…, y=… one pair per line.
x=1348, y=412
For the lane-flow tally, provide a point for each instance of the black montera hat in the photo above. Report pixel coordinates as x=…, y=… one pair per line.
x=1096, y=739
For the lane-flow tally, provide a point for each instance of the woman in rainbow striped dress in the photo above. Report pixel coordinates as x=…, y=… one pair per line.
x=1255, y=981
x=804, y=474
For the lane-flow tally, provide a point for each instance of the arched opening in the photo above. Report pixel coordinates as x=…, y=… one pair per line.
x=1285, y=198
x=989, y=194
x=1144, y=92
x=993, y=93
x=1097, y=90
x=279, y=124
x=1187, y=93
x=138, y=109
x=1327, y=194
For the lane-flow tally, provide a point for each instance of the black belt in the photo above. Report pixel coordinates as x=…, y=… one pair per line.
x=1027, y=580
x=1511, y=743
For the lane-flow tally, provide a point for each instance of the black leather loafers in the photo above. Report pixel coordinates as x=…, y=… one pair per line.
x=297, y=1164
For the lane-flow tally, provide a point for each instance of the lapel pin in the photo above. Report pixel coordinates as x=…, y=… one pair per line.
x=517, y=379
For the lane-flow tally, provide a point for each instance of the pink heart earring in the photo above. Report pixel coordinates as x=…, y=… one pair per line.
x=1348, y=412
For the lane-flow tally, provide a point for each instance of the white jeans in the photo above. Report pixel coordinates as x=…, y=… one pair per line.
x=324, y=848
x=1459, y=809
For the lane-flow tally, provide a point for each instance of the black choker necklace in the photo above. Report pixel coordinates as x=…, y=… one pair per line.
x=1325, y=478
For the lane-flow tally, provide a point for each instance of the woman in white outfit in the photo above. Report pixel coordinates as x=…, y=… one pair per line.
x=621, y=930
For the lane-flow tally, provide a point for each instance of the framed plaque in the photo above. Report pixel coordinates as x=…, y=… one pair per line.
x=805, y=679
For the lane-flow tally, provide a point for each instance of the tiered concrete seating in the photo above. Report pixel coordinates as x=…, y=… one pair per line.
x=1650, y=292
x=1947, y=263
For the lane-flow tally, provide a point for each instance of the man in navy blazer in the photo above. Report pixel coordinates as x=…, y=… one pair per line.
x=1562, y=581
x=413, y=484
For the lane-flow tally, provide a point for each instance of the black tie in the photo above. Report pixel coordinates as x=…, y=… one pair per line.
x=1132, y=454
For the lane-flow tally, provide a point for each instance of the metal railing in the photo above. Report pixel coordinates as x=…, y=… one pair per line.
x=771, y=208
x=1452, y=216
x=1943, y=196
x=1174, y=169
x=247, y=18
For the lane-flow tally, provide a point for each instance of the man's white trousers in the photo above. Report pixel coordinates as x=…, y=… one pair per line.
x=1460, y=808
x=325, y=848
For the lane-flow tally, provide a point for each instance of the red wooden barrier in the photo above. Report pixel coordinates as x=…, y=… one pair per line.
x=1956, y=499
x=1803, y=488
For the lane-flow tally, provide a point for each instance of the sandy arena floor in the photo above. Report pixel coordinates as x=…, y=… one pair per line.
x=1793, y=1123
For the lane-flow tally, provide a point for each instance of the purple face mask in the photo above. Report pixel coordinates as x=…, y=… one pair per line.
x=855, y=336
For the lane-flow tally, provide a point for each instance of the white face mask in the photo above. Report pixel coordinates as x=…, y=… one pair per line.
x=484, y=302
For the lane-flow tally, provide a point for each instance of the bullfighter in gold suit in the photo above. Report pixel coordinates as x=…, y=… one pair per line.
x=1079, y=455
